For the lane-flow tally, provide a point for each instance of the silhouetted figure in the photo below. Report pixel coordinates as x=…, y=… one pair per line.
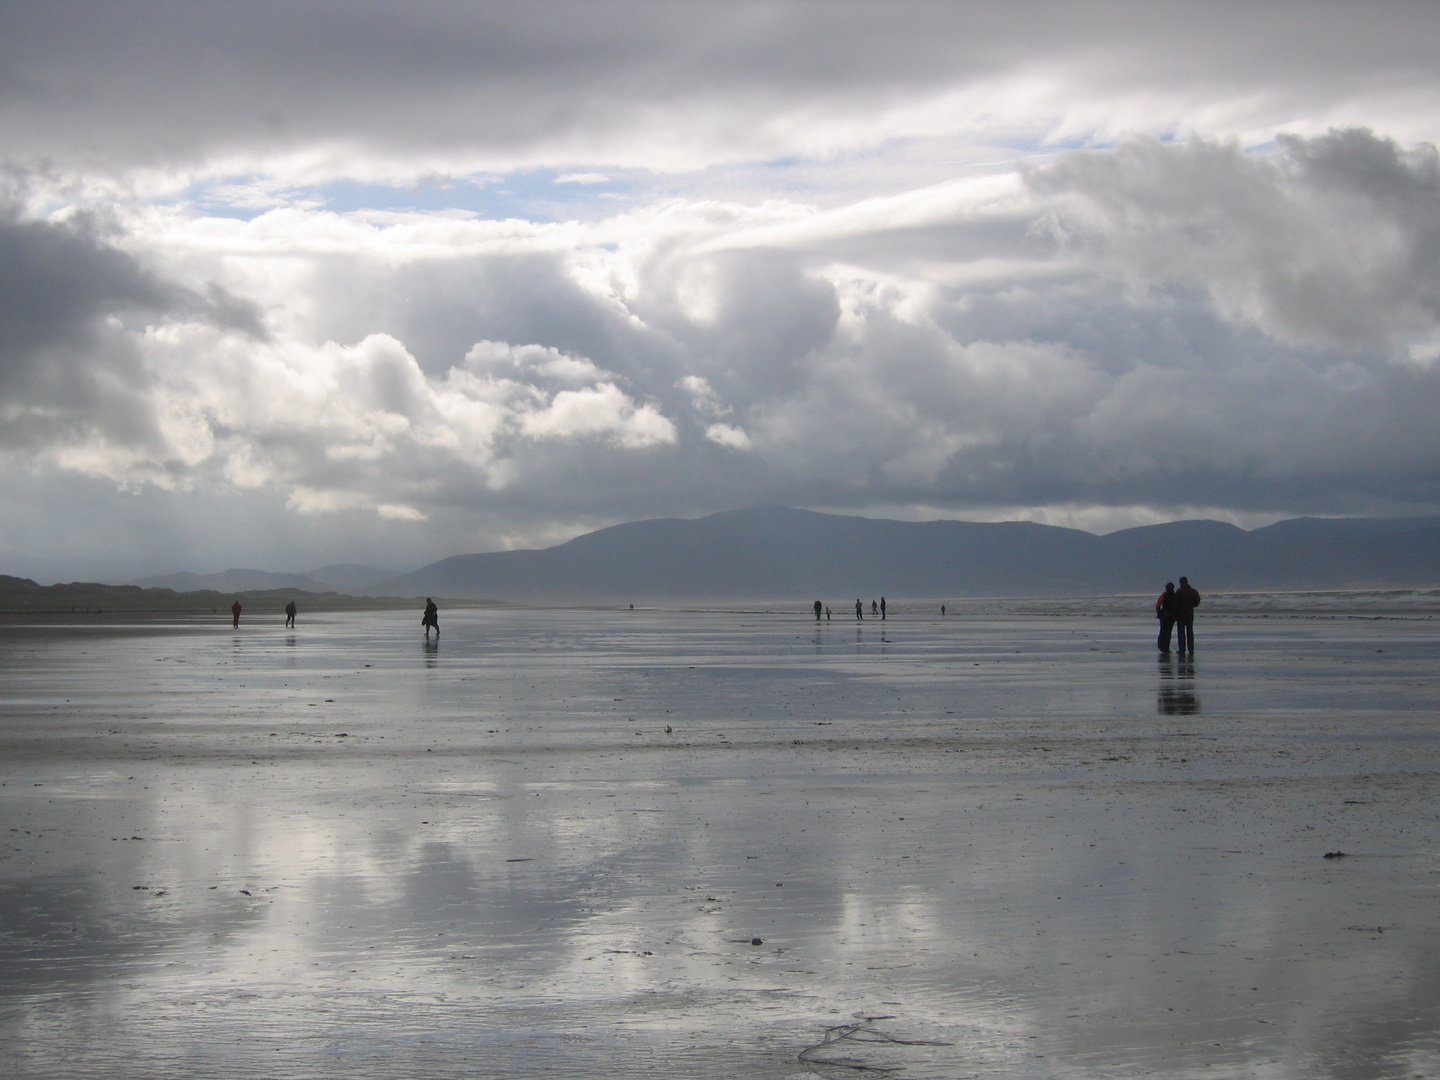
x=290, y=614
x=431, y=618
x=818, y=608
x=235, y=610
x=859, y=609
x=882, y=609
x=827, y=612
x=1165, y=612
x=1186, y=601
x=942, y=611
x=874, y=608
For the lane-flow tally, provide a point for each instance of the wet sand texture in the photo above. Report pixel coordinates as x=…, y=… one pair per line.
x=1005, y=844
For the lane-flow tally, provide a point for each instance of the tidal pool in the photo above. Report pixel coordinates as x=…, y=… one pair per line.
x=1012, y=842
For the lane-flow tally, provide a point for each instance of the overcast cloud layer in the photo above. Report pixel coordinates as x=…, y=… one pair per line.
x=289, y=285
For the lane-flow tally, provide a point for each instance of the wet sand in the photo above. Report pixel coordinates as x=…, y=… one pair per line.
x=1009, y=843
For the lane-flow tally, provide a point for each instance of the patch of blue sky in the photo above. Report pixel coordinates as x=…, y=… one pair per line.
x=539, y=195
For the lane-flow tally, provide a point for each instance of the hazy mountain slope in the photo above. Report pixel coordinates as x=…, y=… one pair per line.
x=350, y=577
x=235, y=580
x=338, y=577
x=24, y=595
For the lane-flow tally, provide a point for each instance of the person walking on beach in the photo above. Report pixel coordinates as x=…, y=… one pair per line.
x=859, y=609
x=827, y=612
x=1186, y=601
x=290, y=614
x=1165, y=612
x=431, y=618
x=882, y=609
x=874, y=608
x=235, y=610
x=818, y=608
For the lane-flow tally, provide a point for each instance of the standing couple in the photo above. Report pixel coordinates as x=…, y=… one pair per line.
x=1176, y=607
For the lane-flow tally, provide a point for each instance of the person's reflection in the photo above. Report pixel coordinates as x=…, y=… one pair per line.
x=432, y=652
x=1176, y=696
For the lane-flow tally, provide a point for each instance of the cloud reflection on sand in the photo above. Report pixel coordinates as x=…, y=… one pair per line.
x=493, y=853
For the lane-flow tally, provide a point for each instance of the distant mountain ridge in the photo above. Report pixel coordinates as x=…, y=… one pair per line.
x=351, y=578
x=776, y=553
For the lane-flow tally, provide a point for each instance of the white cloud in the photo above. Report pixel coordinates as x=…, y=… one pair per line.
x=728, y=435
x=599, y=411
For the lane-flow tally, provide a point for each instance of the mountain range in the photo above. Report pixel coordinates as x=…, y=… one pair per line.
x=775, y=553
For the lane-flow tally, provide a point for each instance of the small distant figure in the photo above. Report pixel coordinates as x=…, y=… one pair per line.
x=431, y=618
x=818, y=608
x=290, y=614
x=942, y=611
x=1186, y=601
x=827, y=612
x=235, y=610
x=882, y=609
x=632, y=607
x=859, y=609
x=1165, y=612
x=874, y=608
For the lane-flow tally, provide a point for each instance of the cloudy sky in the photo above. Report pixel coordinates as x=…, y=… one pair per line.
x=290, y=284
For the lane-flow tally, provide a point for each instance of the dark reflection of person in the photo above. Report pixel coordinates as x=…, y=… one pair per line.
x=1186, y=601
x=1176, y=696
x=818, y=608
x=859, y=609
x=882, y=609
x=431, y=618
x=290, y=614
x=235, y=610
x=1165, y=612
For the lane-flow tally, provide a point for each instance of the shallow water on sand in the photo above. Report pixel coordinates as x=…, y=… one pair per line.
x=1017, y=841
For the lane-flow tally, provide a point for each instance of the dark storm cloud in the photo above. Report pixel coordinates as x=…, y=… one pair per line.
x=69, y=304
x=127, y=82
x=1334, y=240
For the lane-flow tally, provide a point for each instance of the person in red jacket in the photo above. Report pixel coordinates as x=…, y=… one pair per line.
x=1165, y=612
x=1186, y=601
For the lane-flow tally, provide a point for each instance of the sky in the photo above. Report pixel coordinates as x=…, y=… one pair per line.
x=290, y=284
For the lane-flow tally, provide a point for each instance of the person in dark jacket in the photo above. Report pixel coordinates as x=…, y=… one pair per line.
x=1165, y=612
x=431, y=618
x=1186, y=601
x=235, y=610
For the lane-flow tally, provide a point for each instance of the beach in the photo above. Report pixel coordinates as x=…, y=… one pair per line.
x=1009, y=842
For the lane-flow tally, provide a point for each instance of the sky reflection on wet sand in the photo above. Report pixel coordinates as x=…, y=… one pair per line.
x=1032, y=845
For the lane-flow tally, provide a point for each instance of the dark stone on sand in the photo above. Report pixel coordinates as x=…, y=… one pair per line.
x=1334, y=854
x=756, y=941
